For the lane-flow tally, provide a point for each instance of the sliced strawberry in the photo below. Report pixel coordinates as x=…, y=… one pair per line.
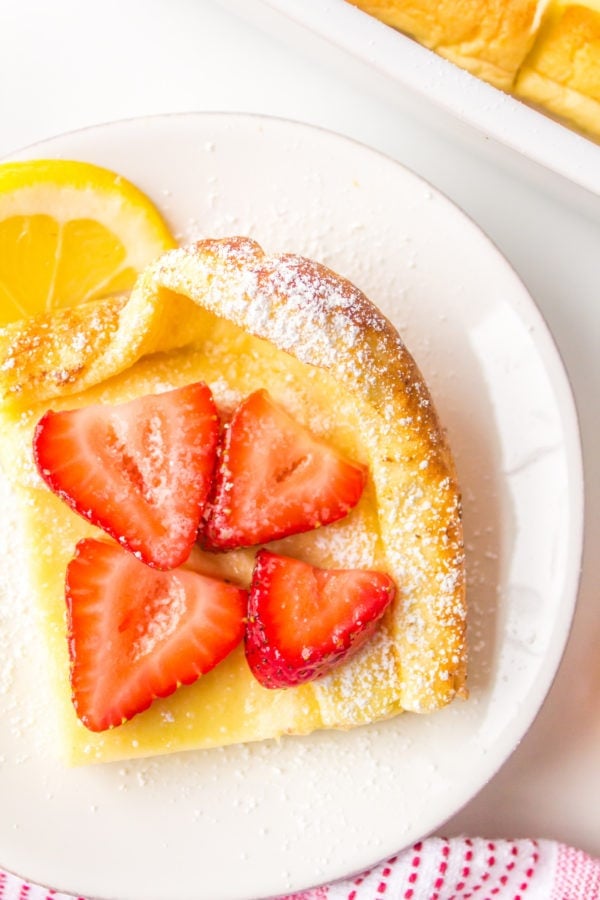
x=136, y=633
x=140, y=470
x=276, y=478
x=303, y=620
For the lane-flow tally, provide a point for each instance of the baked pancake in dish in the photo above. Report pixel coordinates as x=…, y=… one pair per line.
x=544, y=52
x=225, y=314
x=561, y=75
x=488, y=38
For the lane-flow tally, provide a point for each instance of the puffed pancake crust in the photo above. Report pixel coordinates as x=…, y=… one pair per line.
x=223, y=312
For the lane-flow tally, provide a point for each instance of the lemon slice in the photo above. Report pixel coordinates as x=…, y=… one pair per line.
x=71, y=232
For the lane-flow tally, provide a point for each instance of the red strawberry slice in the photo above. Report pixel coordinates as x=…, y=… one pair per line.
x=140, y=470
x=276, y=478
x=136, y=633
x=302, y=620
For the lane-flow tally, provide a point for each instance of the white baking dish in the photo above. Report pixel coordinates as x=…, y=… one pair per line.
x=436, y=90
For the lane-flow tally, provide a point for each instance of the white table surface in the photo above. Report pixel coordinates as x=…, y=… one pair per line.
x=68, y=64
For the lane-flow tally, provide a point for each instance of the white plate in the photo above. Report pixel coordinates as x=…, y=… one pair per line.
x=253, y=821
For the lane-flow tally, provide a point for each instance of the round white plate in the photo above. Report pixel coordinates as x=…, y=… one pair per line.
x=254, y=821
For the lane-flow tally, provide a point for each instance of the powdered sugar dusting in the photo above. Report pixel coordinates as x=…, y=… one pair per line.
x=23, y=663
x=324, y=321
x=365, y=688
x=337, y=363
x=168, y=609
x=301, y=306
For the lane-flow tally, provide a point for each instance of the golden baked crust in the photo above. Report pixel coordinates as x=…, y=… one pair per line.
x=489, y=38
x=545, y=52
x=562, y=73
x=224, y=311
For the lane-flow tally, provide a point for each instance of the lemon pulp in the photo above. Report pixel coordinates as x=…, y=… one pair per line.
x=71, y=232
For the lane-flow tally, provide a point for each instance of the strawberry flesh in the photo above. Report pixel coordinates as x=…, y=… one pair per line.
x=136, y=634
x=303, y=620
x=140, y=470
x=276, y=478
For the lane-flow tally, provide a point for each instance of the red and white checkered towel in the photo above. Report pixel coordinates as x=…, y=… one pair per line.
x=439, y=869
